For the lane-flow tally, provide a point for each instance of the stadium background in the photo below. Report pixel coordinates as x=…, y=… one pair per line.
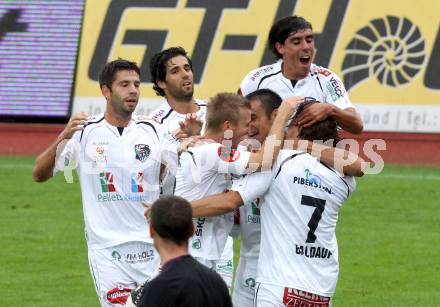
x=386, y=52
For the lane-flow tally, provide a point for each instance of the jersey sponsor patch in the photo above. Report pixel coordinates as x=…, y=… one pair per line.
x=118, y=295
x=294, y=297
x=227, y=154
x=324, y=71
x=156, y=117
x=335, y=88
x=261, y=71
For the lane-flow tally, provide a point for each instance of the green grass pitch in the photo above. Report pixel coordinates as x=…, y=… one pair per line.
x=388, y=234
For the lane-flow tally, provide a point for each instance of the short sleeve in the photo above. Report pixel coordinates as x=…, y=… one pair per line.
x=252, y=186
x=67, y=158
x=230, y=161
x=351, y=183
x=170, y=160
x=247, y=85
x=336, y=93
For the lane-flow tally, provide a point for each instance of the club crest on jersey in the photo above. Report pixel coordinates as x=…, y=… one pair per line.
x=142, y=152
x=228, y=154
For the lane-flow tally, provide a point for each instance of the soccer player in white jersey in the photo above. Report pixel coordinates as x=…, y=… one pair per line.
x=206, y=169
x=172, y=77
x=291, y=41
x=118, y=161
x=264, y=104
x=298, y=261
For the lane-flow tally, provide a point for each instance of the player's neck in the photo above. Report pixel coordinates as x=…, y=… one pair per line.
x=169, y=250
x=217, y=137
x=289, y=72
x=183, y=106
x=116, y=120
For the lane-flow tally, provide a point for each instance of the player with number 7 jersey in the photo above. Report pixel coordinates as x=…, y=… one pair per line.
x=302, y=198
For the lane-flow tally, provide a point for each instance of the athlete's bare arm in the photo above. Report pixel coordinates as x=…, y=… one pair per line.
x=342, y=160
x=268, y=153
x=217, y=204
x=348, y=119
x=44, y=164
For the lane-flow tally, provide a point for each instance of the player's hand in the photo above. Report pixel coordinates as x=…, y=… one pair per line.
x=76, y=123
x=288, y=106
x=192, y=124
x=147, y=212
x=314, y=113
x=189, y=142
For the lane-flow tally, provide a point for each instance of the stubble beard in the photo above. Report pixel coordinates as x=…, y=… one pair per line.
x=182, y=95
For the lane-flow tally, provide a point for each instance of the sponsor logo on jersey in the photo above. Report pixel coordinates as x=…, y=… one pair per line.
x=311, y=181
x=324, y=71
x=118, y=295
x=144, y=256
x=197, y=244
x=311, y=177
x=249, y=283
x=156, y=117
x=335, y=88
x=116, y=256
x=255, y=206
x=225, y=267
x=294, y=297
x=254, y=217
x=109, y=197
x=100, y=157
x=109, y=193
x=260, y=72
x=136, y=182
x=228, y=154
x=142, y=152
x=199, y=226
x=106, y=180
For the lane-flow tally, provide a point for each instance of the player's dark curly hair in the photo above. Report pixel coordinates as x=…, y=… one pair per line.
x=158, y=66
x=171, y=219
x=108, y=71
x=323, y=131
x=283, y=28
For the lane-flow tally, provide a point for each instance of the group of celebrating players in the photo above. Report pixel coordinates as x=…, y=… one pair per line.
x=254, y=171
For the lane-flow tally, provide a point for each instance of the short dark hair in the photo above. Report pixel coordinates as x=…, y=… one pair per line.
x=324, y=130
x=158, y=67
x=109, y=70
x=285, y=27
x=224, y=107
x=268, y=98
x=171, y=219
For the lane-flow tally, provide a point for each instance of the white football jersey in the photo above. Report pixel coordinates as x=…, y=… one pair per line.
x=205, y=170
x=302, y=198
x=170, y=119
x=250, y=222
x=117, y=172
x=321, y=84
